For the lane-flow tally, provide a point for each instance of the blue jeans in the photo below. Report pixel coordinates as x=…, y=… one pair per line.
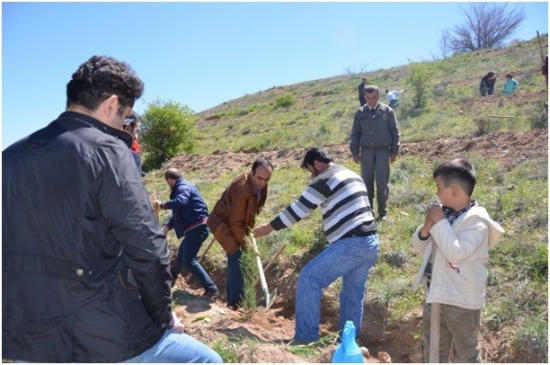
x=187, y=257
x=235, y=279
x=349, y=258
x=177, y=347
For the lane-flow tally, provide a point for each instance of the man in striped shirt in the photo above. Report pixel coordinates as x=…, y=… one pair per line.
x=348, y=223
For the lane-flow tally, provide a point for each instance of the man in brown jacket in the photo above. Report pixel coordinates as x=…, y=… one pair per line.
x=234, y=216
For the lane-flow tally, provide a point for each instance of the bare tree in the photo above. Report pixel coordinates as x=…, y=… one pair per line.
x=444, y=41
x=487, y=25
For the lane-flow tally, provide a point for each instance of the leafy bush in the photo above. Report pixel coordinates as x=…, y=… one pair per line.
x=167, y=128
x=418, y=79
x=285, y=100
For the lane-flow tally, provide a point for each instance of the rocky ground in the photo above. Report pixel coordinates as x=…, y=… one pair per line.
x=209, y=321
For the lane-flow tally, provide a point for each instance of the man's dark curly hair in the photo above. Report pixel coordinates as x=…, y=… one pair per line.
x=99, y=78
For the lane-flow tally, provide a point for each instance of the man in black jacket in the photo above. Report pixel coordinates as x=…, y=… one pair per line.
x=85, y=266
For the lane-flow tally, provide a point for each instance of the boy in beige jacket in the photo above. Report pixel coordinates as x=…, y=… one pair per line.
x=455, y=240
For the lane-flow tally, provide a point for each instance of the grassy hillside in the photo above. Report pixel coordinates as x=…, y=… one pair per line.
x=515, y=318
x=323, y=109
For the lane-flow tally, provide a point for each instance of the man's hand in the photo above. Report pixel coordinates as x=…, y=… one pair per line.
x=263, y=230
x=356, y=158
x=156, y=205
x=178, y=326
x=393, y=158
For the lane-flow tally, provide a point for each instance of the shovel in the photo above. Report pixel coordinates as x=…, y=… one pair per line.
x=269, y=297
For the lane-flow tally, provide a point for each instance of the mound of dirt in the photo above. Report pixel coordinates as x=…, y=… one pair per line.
x=209, y=321
x=511, y=148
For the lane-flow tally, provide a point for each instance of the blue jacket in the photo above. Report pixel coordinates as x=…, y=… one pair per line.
x=188, y=206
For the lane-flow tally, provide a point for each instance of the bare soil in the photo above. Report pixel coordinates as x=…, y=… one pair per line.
x=510, y=148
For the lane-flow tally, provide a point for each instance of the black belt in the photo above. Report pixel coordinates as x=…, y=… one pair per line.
x=358, y=232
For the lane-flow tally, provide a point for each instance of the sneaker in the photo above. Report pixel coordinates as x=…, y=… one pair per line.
x=212, y=295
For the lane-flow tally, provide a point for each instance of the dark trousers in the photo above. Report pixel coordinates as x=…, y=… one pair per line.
x=375, y=166
x=362, y=100
x=235, y=279
x=187, y=257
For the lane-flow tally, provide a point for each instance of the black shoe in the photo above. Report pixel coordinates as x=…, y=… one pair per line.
x=294, y=342
x=381, y=218
x=212, y=294
x=233, y=305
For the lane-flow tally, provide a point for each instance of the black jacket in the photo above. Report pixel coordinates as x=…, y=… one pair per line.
x=85, y=266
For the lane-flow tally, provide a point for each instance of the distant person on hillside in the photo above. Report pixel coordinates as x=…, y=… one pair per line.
x=510, y=85
x=361, y=92
x=132, y=125
x=353, y=247
x=232, y=219
x=544, y=70
x=455, y=240
x=189, y=216
x=374, y=143
x=487, y=84
x=393, y=97
x=85, y=266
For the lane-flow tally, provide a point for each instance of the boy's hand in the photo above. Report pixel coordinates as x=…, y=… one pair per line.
x=435, y=214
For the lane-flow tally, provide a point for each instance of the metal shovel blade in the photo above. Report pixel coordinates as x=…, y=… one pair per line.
x=269, y=298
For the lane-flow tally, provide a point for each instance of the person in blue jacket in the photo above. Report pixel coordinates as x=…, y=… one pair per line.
x=189, y=216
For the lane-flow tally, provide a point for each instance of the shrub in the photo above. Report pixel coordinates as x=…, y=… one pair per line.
x=485, y=125
x=167, y=128
x=538, y=116
x=418, y=79
x=285, y=100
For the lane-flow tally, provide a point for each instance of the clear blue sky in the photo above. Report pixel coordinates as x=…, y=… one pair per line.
x=203, y=54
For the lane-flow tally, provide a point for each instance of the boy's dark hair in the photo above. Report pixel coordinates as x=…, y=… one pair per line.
x=459, y=172
x=99, y=78
x=262, y=161
x=316, y=154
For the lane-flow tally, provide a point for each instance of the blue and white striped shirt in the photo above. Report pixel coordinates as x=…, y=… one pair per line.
x=342, y=196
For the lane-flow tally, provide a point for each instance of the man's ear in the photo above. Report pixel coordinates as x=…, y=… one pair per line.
x=109, y=106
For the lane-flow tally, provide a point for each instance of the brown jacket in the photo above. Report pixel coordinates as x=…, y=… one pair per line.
x=235, y=213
